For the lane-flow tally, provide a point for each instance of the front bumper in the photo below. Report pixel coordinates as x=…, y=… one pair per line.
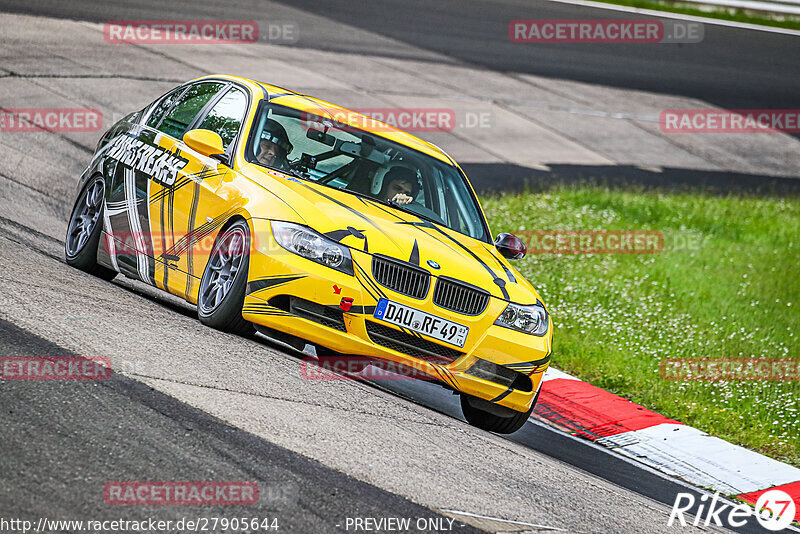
x=276, y=275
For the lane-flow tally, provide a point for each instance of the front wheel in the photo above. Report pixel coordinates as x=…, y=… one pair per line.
x=493, y=417
x=84, y=230
x=222, y=288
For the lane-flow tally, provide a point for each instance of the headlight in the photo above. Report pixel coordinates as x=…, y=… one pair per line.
x=309, y=244
x=528, y=319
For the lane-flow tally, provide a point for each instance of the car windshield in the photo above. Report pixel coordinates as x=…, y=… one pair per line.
x=344, y=157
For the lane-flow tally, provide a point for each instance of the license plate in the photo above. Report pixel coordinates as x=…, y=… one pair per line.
x=422, y=322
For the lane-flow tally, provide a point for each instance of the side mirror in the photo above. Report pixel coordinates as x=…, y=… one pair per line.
x=207, y=143
x=510, y=246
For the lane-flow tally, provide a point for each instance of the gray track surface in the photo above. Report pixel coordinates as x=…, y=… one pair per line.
x=733, y=68
x=556, y=113
x=62, y=442
x=380, y=439
x=154, y=340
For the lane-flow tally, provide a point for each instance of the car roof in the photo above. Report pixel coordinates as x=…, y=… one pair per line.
x=293, y=99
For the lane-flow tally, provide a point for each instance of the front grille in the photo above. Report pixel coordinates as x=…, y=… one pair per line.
x=458, y=297
x=411, y=345
x=324, y=315
x=401, y=277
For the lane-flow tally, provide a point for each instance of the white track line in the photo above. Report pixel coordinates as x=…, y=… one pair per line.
x=644, y=467
x=784, y=8
x=695, y=456
x=679, y=16
x=552, y=373
x=507, y=521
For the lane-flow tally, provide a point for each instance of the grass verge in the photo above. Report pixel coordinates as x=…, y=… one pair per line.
x=732, y=291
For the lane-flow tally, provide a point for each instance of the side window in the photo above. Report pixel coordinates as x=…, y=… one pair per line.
x=226, y=116
x=190, y=104
x=162, y=107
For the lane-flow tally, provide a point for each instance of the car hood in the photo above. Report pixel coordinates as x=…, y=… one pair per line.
x=379, y=229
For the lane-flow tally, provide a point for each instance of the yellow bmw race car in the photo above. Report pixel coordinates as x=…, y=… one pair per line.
x=272, y=210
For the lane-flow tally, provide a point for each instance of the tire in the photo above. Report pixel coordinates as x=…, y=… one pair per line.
x=492, y=417
x=224, y=281
x=84, y=230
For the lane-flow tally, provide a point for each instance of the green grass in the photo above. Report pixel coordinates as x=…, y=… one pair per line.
x=737, y=15
x=736, y=293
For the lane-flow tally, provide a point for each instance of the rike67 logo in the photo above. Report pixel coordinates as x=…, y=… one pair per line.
x=774, y=510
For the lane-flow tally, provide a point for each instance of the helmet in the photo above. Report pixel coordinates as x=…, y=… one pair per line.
x=395, y=170
x=275, y=133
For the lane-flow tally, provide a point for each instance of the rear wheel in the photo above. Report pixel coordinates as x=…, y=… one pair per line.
x=84, y=230
x=493, y=417
x=222, y=288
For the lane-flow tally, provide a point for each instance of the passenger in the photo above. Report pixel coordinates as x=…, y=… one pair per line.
x=399, y=186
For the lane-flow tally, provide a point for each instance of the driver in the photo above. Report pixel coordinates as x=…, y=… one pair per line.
x=399, y=186
x=274, y=146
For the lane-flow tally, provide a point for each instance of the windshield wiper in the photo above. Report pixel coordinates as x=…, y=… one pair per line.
x=295, y=173
x=414, y=213
x=389, y=203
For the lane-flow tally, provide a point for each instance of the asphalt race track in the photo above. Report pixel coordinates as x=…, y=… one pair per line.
x=83, y=433
x=732, y=68
x=190, y=403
